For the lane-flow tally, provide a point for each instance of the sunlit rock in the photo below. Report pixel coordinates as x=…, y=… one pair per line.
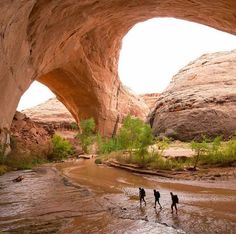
x=51, y=111
x=73, y=48
x=200, y=100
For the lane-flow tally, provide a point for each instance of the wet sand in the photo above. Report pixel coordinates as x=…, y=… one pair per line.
x=82, y=197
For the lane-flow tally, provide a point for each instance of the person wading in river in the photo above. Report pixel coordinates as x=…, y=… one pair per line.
x=142, y=194
x=175, y=200
x=157, y=197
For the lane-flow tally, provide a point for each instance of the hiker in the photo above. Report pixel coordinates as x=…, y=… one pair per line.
x=175, y=200
x=157, y=197
x=142, y=194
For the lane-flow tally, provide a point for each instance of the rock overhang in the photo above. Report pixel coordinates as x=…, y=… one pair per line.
x=73, y=48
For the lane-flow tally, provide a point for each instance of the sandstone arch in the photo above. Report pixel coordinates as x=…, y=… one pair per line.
x=82, y=102
x=47, y=40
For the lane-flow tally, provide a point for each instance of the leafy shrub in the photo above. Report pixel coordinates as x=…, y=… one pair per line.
x=74, y=126
x=162, y=144
x=87, y=136
x=98, y=161
x=156, y=161
x=222, y=154
x=106, y=145
x=19, y=160
x=133, y=136
x=152, y=161
x=3, y=170
x=61, y=148
x=200, y=149
x=215, y=152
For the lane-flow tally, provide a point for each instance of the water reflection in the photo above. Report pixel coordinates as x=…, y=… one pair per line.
x=96, y=199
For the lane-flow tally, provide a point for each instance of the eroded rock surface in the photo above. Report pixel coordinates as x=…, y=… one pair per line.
x=29, y=136
x=150, y=99
x=73, y=48
x=51, y=111
x=200, y=100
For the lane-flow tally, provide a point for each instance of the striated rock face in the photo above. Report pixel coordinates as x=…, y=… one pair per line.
x=200, y=100
x=73, y=48
x=51, y=111
x=150, y=99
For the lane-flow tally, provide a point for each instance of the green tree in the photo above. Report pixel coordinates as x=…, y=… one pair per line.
x=135, y=134
x=145, y=139
x=88, y=126
x=107, y=145
x=200, y=148
x=87, y=136
x=129, y=132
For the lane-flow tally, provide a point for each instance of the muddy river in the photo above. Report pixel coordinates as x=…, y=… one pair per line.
x=82, y=197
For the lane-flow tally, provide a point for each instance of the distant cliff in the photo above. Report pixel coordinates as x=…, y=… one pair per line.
x=51, y=111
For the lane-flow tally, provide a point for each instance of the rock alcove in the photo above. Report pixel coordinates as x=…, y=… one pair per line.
x=73, y=47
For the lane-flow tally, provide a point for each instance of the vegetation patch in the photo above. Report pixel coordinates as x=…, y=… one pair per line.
x=87, y=135
x=132, y=146
x=21, y=159
x=74, y=126
x=217, y=152
x=61, y=149
x=3, y=169
x=98, y=161
x=133, y=136
x=149, y=161
x=135, y=144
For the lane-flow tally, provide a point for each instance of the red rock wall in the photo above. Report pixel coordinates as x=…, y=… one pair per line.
x=73, y=48
x=30, y=136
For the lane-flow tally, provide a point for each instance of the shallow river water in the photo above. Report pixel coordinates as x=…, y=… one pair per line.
x=82, y=197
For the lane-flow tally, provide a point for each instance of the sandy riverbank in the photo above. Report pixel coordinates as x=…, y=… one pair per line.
x=211, y=173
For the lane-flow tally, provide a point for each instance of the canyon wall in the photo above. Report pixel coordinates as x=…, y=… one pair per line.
x=51, y=111
x=200, y=100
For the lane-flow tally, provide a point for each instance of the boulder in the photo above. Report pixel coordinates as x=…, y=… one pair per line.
x=26, y=135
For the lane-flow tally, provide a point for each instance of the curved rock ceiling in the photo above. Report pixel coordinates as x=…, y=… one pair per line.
x=73, y=48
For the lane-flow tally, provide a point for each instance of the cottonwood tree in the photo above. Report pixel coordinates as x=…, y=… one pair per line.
x=87, y=135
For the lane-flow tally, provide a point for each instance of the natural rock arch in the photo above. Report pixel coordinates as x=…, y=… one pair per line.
x=82, y=102
x=77, y=43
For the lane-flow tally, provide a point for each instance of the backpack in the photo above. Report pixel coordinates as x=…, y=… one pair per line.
x=175, y=199
x=157, y=194
x=143, y=192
